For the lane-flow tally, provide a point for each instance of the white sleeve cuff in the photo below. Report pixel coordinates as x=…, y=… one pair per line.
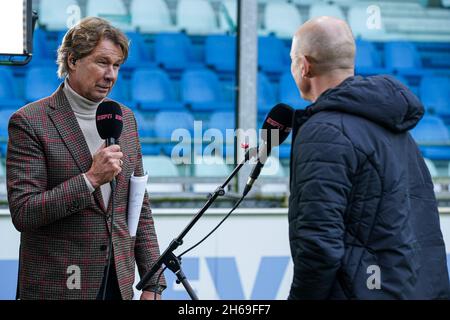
x=88, y=183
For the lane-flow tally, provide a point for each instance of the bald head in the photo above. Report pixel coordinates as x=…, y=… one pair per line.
x=327, y=42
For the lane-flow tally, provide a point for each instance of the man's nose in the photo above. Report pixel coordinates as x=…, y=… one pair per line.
x=110, y=73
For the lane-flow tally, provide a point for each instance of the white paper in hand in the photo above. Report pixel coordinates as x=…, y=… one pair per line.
x=135, y=200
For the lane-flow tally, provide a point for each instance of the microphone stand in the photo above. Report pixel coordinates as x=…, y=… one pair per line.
x=168, y=258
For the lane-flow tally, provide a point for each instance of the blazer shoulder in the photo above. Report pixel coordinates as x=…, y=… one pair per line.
x=35, y=108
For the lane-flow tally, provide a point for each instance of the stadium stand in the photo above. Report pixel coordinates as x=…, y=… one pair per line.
x=186, y=62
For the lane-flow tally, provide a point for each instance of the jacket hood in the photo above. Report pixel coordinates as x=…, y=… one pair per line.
x=381, y=99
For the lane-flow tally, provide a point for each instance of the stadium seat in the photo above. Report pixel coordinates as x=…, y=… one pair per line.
x=323, y=9
x=289, y=93
x=273, y=169
x=431, y=167
x=166, y=126
x=139, y=53
x=121, y=93
x=432, y=130
x=53, y=15
x=358, y=18
x=196, y=17
x=271, y=54
x=112, y=10
x=413, y=88
x=5, y=115
x=222, y=121
x=435, y=94
x=285, y=27
x=2, y=169
x=40, y=82
x=153, y=91
x=173, y=51
x=220, y=53
x=402, y=57
x=150, y=17
x=367, y=59
x=266, y=94
x=228, y=16
x=160, y=166
x=145, y=130
x=201, y=91
x=8, y=99
x=211, y=166
x=44, y=51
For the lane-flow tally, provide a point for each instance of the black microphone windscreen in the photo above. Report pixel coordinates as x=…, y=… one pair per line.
x=279, y=118
x=109, y=120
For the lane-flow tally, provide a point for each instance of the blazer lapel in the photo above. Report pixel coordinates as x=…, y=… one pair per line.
x=67, y=125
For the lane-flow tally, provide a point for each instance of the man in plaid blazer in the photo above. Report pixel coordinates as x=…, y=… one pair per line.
x=58, y=178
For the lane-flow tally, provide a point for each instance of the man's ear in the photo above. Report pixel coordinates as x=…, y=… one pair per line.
x=306, y=67
x=71, y=61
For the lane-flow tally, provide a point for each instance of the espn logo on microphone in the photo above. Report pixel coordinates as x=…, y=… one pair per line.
x=109, y=116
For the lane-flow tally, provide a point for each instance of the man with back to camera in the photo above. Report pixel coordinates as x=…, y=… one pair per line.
x=363, y=218
x=58, y=180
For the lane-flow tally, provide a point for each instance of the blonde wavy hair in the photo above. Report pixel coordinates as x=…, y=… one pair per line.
x=82, y=39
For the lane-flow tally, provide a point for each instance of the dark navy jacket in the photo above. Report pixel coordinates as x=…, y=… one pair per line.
x=362, y=206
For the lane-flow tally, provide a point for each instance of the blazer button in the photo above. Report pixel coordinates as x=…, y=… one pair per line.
x=103, y=247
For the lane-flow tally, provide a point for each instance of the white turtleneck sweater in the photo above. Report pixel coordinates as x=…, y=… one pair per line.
x=84, y=110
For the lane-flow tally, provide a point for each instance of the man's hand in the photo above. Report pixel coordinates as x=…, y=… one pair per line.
x=106, y=164
x=149, y=295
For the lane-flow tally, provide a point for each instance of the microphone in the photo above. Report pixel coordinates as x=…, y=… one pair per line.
x=279, y=119
x=108, y=119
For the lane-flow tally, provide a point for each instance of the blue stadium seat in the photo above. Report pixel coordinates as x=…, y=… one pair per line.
x=40, y=82
x=165, y=126
x=201, y=91
x=45, y=45
x=435, y=94
x=271, y=53
x=222, y=121
x=289, y=93
x=153, y=90
x=173, y=51
x=432, y=130
x=145, y=130
x=220, y=53
x=367, y=59
x=402, y=57
x=266, y=94
x=120, y=93
x=5, y=115
x=8, y=99
x=413, y=88
x=139, y=54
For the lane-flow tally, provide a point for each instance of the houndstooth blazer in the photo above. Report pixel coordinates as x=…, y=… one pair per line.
x=64, y=228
